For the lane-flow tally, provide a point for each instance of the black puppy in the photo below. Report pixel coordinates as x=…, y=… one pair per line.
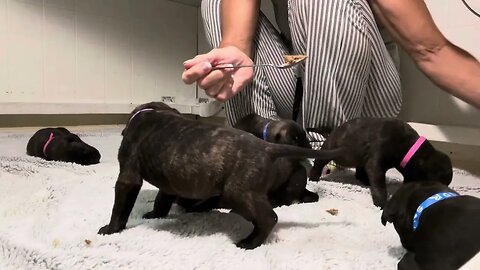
x=291, y=175
x=61, y=145
x=377, y=144
x=189, y=159
x=439, y=228
x=276, y=131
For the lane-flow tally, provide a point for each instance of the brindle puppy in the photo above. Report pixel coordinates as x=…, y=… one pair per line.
x=195, y=160
x=377, y=144
x=61, y=145
x=290, y=174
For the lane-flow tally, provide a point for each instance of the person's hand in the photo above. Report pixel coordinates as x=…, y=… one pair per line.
x=220, y=84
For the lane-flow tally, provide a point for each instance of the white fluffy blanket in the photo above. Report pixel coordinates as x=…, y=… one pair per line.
x=50, y=213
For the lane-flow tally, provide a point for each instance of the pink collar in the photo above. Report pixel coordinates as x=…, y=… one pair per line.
x=412, y=151
x=47, y=143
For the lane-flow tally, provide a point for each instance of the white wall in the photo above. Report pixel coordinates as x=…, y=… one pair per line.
x=93, y=54
x=423, y=101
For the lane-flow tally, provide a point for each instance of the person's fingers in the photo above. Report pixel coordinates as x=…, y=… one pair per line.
x=214, y=80
x=235, y=84
x=218, y=56
x=241, y=80
x=224, y=85
x=225, y=92
x=214, y=77
x=196, y=72
x=197, y=60
x=214, y=90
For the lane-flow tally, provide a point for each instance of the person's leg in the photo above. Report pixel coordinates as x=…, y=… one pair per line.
x=343, y=71
x=383, y=95
x=271, y=93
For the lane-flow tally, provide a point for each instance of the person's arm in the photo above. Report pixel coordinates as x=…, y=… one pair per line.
x=447, y=65
x=239, y=22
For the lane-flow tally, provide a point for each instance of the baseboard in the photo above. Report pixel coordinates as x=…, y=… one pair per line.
x=462, y=144
x=449, y=134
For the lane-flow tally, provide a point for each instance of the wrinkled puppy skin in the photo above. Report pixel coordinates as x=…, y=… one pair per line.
x=448, y=233
x=65, y=146
x=194, y=160
x=377, y=144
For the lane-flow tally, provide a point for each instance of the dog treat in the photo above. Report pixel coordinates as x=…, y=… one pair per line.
x=55, y=243
x=332, y=211
x=292, y=59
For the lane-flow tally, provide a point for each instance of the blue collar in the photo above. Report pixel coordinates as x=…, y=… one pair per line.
x=429, y=202
x=265, y=131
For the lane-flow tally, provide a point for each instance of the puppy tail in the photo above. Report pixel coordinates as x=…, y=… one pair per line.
x=282, y=150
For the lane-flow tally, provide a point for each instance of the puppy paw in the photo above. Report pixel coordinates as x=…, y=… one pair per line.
x=314, y=175
x=310, y=197
x=152, y=215
x=379, y=201
x=362, y=179
x=107, y=229
x=362, y=176
x=365, y=182
x=247, y=244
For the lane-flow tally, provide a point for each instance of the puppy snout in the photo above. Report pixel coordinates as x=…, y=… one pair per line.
x=446, y=177
x=92, y=155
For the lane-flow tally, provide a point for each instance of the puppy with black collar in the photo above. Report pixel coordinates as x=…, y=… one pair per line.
x=377, y=144
x=439, y=227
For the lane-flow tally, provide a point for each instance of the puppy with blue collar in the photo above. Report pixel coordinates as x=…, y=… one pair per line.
x=439, y=227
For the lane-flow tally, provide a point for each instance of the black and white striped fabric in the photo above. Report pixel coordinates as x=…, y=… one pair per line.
x=349, y=72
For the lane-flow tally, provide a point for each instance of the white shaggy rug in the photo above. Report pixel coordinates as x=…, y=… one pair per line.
x=50, y=213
